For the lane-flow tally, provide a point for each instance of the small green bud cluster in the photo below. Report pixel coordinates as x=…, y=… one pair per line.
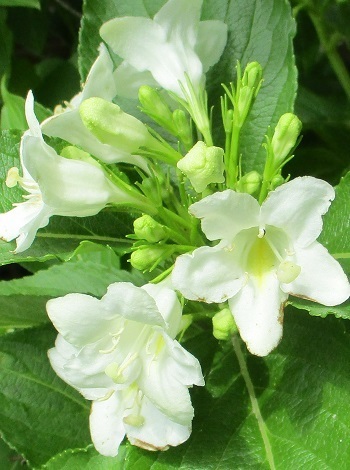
x=146, y=228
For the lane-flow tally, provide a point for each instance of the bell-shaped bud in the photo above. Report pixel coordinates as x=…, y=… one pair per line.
x=146, y=228
x=146, y=258
x=285, y=136
x=276, y=181
x=203, y=165
x=156, y=107
x=224, y=325
x=249, y=183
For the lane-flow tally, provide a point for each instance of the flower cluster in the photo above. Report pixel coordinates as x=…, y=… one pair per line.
x=237, y=243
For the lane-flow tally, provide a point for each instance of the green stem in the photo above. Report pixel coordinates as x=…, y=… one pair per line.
x=333, y=55
x=255, y=405
x=233, y=158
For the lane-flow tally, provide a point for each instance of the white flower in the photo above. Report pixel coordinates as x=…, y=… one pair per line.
x=265, y=254
x=68, y=125
x=161, y=51
x=119, y=352
x=55, y=186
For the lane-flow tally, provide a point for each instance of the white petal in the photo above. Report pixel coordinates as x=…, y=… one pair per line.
x=225, y=214
x=100, y=81
x=34, y=126
x=258, y=313
x=83, y=370
x=208, y=275
x=81, y=319
x=321, y=279
x=106, y=424
x=135, y=39
x=69, y=187
x=179, y=19
x=211, y=42
x=128, y=80
x=297, y=207
x=162, y=381
x=23, y=222
x=168, y=305
x=132, y=303
x=158, y=432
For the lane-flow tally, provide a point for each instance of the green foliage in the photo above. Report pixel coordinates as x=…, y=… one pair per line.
x=20, y=3
x=88, y=458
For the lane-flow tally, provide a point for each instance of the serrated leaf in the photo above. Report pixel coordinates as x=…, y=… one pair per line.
x=40, y=415
x=336, y=230
x=300, y=394
x=90, y=271
x=87, y=459
x=258, y=31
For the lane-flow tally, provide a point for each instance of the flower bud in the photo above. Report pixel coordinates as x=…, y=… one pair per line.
x=74, y=153
x=203, y=165
x=285, y=136
x=276, y=181
x=249, y=183
x=224, y=325
x=147, y=257
x=155, y=106
x=183, y=127
x=252, y=76
x=146, y=228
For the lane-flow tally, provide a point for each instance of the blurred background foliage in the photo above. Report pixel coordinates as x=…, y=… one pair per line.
x=38, y=51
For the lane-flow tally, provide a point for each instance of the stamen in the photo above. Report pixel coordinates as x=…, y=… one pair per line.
x=287, y=272
x=105, y=397
x=262, y=232
x=134, y=420
x=115, y=372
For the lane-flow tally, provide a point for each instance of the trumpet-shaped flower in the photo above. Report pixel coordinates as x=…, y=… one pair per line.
x=164, y=50
x=120, y=353
x=266, y=253
x=68, y=125
x=55, y=186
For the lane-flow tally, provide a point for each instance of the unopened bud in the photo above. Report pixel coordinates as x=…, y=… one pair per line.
x=203, y=165
x=252, y=76
x=249, y=183
x=276, y=181
x=285, y=136
x=147, y=257
x=74, y=153
x=183, y=127
x=224, y=325
x=155, y=106
x=146, y=228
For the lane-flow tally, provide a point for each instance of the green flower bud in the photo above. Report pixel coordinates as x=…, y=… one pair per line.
x=146, y=228
x=147, y=257
x=252, y=76
x=285, y=136
x=224, y=325
x=155, y=106
x=203, y=165
x=110, y=125
x=183, y=127
x=74, y=153
x=276, y=181
x=249, y=183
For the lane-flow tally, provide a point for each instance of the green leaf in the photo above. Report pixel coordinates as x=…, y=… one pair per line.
x=12, y=112
x=336, y=231
x=5, y=44
x=87, y=459
x=317, y=310
x=21, y=3
x=90, y=271
x=63, y=234
x=258, y=31
x=10, y=459
x=40, y=415
x=300, y=394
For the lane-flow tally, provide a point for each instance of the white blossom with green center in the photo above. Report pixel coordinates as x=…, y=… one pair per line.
x=120, y=352
x=266, y=253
